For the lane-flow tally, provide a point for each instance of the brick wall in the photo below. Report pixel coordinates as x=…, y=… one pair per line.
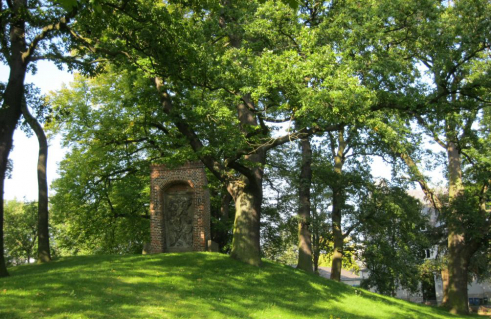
x=190, y=176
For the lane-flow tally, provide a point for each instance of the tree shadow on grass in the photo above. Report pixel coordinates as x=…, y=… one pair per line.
x=187, y=285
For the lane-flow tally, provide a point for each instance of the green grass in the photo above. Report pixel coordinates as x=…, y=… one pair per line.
x=189, y=285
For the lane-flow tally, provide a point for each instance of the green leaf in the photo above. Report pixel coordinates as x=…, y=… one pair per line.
x=67, y=4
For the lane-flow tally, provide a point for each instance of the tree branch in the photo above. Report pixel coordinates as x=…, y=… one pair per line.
x=4, y=48
x=215, y=167
x=160, y=127
x=434, y=135
x=45, y=33
x=465, y=60
x=414, y=170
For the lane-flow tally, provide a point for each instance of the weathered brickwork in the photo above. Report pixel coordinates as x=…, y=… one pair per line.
x=190, y=177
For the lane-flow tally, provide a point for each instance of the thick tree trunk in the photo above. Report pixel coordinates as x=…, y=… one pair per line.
x=246, y=236
x=456, y=300
x=3, y=265
x=247, y=193
x=304, y=235
x=43, y=225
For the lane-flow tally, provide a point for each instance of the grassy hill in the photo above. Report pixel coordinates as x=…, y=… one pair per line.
x=189, y=285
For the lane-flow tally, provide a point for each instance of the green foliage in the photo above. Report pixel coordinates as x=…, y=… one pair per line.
x=99, y=211
x=279, y=220
x=279, y=235
x=102, y=195
x=189, y=285
x=350, y=256
x=20, y=222
x=315, y=65
x=393, y=239
x=222, y=211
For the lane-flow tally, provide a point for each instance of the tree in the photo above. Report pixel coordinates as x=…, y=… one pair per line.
x=32, y=98
x=223, y=77
x=281, y=221
x=458, y=63
x=304, y=207
x=450, y=40
x=233, y=69
x=340, y=169
x=20, y=231
x=284, y=181
x=321, y=229
x=102, y=195
x=99, y=209
x=393, y=239
x=28, y=31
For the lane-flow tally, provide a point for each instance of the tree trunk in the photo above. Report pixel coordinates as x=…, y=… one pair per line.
x=9, y=116
x=457, y=299
x=11, y=109
x=247, y=193
x=246, y=190
x=337, y=206
x=316, y=260
x=225, y=206
x=444, y=274
x=337, y=257
x=304, y=236
x=3, y=265
x=246, y=236
x=315, y=238
x=43, y=225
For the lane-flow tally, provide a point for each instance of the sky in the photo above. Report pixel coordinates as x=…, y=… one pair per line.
x=23, y=184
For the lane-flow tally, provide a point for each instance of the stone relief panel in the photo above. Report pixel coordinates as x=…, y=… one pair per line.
x=179, y=217
x=179, y=209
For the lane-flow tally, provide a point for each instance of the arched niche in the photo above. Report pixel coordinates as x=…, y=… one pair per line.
x=178, y=216
x=179, y=209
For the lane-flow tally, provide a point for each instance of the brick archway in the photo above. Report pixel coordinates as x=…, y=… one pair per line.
x=179, y=197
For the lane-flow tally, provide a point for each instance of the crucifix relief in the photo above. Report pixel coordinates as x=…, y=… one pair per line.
x=179, y=213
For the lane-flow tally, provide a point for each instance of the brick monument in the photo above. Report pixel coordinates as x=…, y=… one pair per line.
x=179, y=209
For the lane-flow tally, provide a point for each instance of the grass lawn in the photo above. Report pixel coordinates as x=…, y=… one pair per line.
x=188, y=285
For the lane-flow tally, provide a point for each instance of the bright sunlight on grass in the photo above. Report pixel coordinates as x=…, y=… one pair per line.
x=188, y=285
